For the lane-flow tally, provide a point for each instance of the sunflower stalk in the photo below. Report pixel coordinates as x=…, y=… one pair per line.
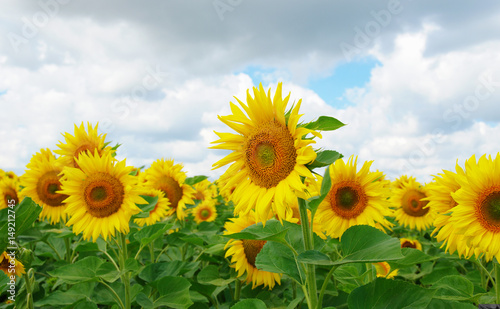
x=29, y=280
x=312, y=289
x=497, y=282
x=125, y=277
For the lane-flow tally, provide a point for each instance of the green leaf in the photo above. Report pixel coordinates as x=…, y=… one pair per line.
x=146, y=208
x=211, y=275
x=144, y=301
x=324, y=158
x=443, y=304
x=194, y=180
x=314, y=257
x=69, y=297
x=363, y=243
x=273, y=231
x=326, y=185
x=81, y=271
x=278, y=258
x=453, y=288
x=387, y=293
x=108, y=272
x=25, y=213
x=250, y=303
x=151, y=232
x=412, y=257
x=324, y=123
x=174, y=292
x=155, y=271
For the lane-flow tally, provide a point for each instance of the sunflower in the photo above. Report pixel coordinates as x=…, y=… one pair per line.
x=9, y=192
x=205, y=211
x=411, y=206
x=6, y=264
x=160, y=211
x=225, y=192
x=384, y=270
x=477, y=214
x=205, y=190
x=102, y=195
x=41, y=182
x=410, y=243
x=442, y=202
x=81, y=142
x=399, y=182
x=269, y=154
x=355, y=198
x=9, y=174
x=168, y=177
x=244, y=252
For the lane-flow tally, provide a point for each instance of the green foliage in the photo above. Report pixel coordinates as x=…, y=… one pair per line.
x=324, y=123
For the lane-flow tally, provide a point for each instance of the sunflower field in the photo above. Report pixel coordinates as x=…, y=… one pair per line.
x=82, y=229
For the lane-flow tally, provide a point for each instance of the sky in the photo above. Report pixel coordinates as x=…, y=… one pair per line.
x=416, y=82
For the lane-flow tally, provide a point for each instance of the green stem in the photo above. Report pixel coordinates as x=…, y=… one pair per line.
x=125, y=277
x=138, y=252
x=161, y=252
x=152, y=251
x=237, y=290
x=312, y=289
x=497, y=282
x=29, y=292
x=68, y=249
x=114, y=294
x=53, y=248
x=481, y=266
x=325, y=284
x=73, y=251
x=111, y=260
x=369, y=268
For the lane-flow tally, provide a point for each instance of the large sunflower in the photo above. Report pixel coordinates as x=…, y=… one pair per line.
x=442, y=202
x=81, y=142
x=160, y=211
x=7, y=263
x=41, y=182
x=244, y=252
x=9, y=191
x=205, y=212
x=355, y=198
x=269, y=154
x=411, y=207
x=168, y=177
x=102, y=195
x=477, y=214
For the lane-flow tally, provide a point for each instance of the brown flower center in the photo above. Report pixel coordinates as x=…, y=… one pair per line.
x=46, y=188
x=488, y=208
x=409, y=244
x=172, y=190
x=270, y=154
x=103, y=195
x=252, y=248
x=89, y=149
x=347, y=199
x=412, y=204
x=10, y=194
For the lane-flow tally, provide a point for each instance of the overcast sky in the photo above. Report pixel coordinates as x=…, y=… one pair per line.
x=416, y=82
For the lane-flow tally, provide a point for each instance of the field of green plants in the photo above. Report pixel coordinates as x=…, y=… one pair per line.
x=82, y=229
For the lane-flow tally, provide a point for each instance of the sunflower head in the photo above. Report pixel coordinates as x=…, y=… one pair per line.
x=269, y=154
x=205, y=212
x=243, y=253
x=161, y=209
x=410, y=243
x=399, y=182
x=41, y=182
x=355, y=198
x=477, y=214
x=411, y=206
x=384, y=270
x=168, y=177
x=83, y=141
x=7, y=263
x=9, y=192
x=102, y=195
x=205, y=190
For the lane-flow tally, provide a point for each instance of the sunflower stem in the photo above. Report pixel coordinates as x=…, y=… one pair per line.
x=325, y=285
x=68, y=249
x=369, y=268
x=29, y=292
x=312, y=289
x=152, y=251
x=497, y=282
x=237, y=290
x=125, y=276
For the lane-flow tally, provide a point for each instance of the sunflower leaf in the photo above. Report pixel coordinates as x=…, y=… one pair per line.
x=453, y=288
x=81, y=271
x=250, y=303
x=174, y=292
x=366, y=244
x=146, y=208
x=387, y=293
x=194, y=180
x=324, y=158
x=278, y=258
x=151, y=232
x=324, y=123
x=273, y=231
x=314, y=257
x=313, y=203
